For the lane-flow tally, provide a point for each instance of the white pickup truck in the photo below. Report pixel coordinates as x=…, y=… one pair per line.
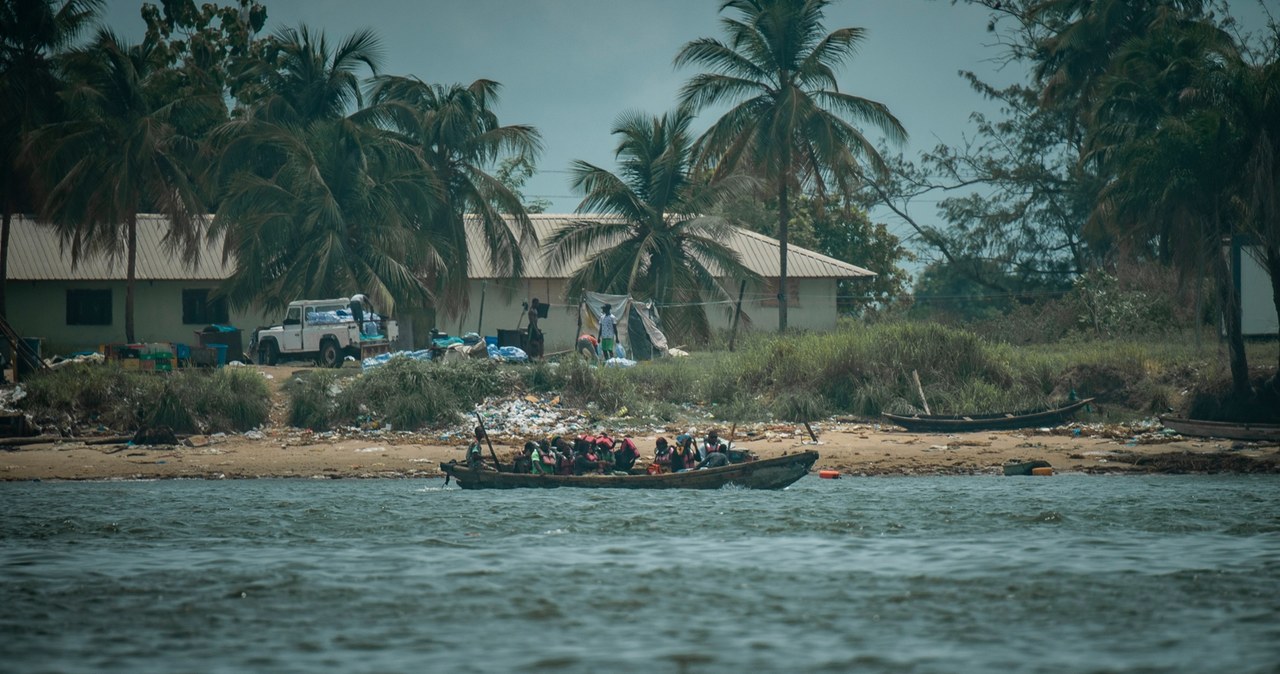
x=323, y=330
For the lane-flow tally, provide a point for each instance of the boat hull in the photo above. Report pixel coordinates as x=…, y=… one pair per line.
x=985, y=422
x=764, y=474
x=1223, y=429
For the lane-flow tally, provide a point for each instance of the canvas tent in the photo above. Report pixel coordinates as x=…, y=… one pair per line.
x=639, y=327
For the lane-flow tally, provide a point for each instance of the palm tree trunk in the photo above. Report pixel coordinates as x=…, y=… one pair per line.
x=1230, y=302
x=784, y=219
x=130, y=277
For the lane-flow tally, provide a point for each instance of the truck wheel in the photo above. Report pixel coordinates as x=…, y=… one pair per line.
x=330, y=354
x=268, y=353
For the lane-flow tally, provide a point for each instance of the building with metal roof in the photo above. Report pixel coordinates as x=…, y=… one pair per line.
x=81, y=306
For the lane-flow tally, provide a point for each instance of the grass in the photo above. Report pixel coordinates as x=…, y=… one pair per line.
x=859, y=370
x=188, y=401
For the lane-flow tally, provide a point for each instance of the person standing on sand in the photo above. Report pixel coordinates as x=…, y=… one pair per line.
x=608, y=332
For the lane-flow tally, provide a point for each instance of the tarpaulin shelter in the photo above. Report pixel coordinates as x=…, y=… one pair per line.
x=639, y=326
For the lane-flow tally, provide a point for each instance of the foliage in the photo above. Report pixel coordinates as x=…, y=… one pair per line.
x=456, y=132
x=404, y=394
x=514, y=172
x=188, y=401
x=121, y=150
x=657, y=247
x=788, y=120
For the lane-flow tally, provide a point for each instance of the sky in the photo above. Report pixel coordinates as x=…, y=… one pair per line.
x=571, y=67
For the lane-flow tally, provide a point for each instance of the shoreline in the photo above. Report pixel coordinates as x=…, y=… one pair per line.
x=853, y=449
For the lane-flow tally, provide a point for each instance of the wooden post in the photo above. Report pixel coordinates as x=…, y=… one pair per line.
x=737, y=313
x=920, y=389
x=496, y=464
x=809, y=428
x=480, y=321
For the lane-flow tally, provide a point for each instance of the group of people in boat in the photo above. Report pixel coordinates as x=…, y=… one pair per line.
x=601, y=454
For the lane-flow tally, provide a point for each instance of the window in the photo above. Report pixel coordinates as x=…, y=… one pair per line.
x=771, y=293
x=89, y=307
x=198, y=309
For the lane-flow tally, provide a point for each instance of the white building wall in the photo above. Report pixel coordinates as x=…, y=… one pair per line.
x=39, y=309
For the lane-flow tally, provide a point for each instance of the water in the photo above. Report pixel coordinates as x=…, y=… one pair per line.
x=948, y=574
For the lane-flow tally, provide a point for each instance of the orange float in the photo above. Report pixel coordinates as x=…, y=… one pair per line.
x=1043, y=470
x=829, y=474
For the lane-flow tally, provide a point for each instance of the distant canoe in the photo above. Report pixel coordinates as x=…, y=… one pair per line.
x=1223, y=429
x=764, y=474
x=938, y=423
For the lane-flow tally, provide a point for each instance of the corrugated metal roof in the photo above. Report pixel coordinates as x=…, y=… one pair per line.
x=36, y=254
x=759, y=253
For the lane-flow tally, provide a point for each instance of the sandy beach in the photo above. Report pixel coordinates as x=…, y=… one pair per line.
x=847, y=445
x=853, y=449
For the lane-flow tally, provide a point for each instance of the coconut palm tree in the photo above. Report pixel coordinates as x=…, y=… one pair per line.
x=788, y=120
x=32, y=33
x=118, y=152
x=657, y=246
x=460, y=138
x=316, y=199
x=1173, y=147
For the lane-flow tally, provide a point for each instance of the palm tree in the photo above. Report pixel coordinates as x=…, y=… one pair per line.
x=32, y=32
x=460, y=138
x=120, y=151
x=788, y=120
x=316, y=199
x=656, y=247
x=1173, y=149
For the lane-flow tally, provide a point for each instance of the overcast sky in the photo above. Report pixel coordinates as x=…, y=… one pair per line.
x=569, y=67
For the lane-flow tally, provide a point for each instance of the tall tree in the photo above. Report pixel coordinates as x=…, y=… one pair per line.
x=460, y=138
x=32, y=33
x=119, y=151
x=657, y=247
x=1173, y=149
x=316, y=199
x=788, y=120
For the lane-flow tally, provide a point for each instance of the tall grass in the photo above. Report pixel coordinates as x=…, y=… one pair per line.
x=188, y=401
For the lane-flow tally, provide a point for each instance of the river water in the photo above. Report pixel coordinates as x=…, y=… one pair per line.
x=1071, y=573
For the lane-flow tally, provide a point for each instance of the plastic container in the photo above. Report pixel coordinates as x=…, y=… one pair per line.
x=220, y=351
x=491, y=340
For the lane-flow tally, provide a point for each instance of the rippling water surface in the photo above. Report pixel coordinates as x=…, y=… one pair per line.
x=948, y=574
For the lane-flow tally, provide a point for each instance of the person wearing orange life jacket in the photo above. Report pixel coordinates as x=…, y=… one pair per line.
x=661, y=457
x=626, y=455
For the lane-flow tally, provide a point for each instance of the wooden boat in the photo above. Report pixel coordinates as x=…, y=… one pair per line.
x=764, y=474
x=939, y=423
x=1230, y=430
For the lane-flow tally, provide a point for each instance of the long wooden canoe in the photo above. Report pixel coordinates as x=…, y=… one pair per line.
x=1230, y=430
x=764, y=474
x=940, y=423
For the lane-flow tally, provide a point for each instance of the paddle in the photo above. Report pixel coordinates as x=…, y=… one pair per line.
x=496, y=465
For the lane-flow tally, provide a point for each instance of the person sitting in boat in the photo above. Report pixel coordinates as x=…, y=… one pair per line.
x=662, y=455
x=564, y=455
x=684, y=456
x=475, y=455
x=626, y=456
x=604, y=453
x=709, y=446
x=543, y=459
x=524, y=460
x=715, y=458
x=585, y=461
